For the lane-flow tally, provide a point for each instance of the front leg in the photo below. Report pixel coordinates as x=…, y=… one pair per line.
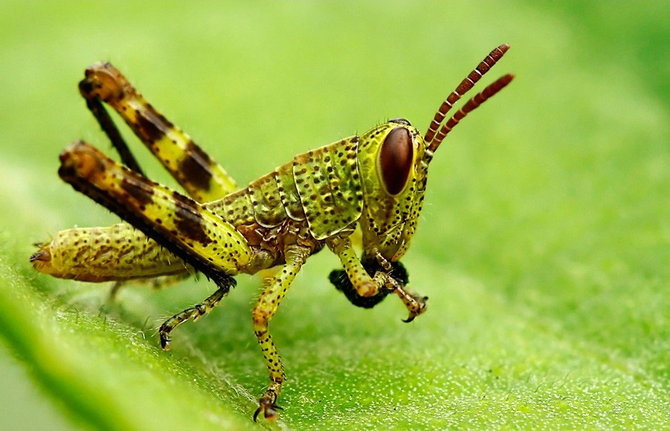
x=273, y=292
x=366, y=283
x=398, y=279
x=415, y=303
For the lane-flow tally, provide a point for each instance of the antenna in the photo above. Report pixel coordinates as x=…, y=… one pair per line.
x=470, y=106
x=465, y=85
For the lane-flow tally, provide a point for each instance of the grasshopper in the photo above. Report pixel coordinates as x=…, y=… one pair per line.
x=374, y=182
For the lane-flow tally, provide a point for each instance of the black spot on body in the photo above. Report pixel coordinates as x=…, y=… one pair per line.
x=188, y=221
x=184, y=200
x=140, y=191
x=151, y=125
x=195, y=169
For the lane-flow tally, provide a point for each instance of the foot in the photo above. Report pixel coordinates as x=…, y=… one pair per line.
x=415, y=303
x=164, y=335
x=267, y=405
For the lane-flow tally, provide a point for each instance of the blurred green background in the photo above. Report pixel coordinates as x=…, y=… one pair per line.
x=544, y=244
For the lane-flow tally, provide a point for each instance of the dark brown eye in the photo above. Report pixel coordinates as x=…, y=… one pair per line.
x=395, y=160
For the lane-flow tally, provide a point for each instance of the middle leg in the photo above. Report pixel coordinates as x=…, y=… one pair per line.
x=274, y=291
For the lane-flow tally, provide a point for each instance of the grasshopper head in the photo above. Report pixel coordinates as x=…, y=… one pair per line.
x=393, y=159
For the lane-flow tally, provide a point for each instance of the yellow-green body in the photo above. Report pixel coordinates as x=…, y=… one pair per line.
x=317, y=195
x=118, y=252
x=374, y=183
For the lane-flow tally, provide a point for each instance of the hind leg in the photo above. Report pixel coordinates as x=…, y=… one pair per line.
x=119, y=252
x=202, y=178
x=189, y=230
x=195, y=313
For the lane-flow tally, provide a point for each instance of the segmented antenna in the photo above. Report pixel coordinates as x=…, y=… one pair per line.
x=470, y=106
x=463, y=88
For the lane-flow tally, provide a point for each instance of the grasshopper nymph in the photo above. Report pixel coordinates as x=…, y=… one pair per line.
x=374, y=182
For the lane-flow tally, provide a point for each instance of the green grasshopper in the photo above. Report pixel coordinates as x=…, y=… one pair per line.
x=374, y=183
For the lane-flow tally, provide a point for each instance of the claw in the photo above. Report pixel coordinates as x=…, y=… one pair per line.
x=266, y=405
x=165, y=341
x=416, y=307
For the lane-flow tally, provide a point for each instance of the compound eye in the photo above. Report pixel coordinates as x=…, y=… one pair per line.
x=395, y=160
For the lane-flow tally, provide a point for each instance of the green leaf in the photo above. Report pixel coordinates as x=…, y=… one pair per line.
x=543, y=246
